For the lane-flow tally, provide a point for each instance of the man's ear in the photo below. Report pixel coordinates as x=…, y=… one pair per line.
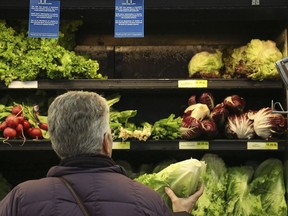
x=107, y=144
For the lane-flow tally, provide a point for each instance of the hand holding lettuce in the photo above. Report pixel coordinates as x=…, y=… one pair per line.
x=249, y=189
x=184, y=204
x=183, y=177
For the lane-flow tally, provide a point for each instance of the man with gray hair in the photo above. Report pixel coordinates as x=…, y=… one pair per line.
x=87, y=181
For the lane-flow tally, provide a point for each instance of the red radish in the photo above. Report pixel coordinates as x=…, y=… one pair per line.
x=35, y=133
x=21, y=119
x=12, y=121
x=19, y=130
x=3, y=125
x=17, y=110
x=9, y=133
x=43, y=126
x=26, y=125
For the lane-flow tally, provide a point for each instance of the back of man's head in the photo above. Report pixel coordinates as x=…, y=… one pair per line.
x=77, y=122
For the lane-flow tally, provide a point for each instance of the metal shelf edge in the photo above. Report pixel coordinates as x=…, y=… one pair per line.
x=146, y=84
x=162, y=145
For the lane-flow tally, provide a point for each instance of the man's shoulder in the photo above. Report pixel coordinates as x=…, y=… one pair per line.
x=35, y=187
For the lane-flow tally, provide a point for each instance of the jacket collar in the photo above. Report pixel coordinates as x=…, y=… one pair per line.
x=88, y=161
x=91, y=163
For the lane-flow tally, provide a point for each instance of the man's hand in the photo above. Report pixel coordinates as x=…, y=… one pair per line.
x=184, y=204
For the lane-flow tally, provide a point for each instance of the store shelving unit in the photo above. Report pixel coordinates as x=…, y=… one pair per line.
x=207, y=23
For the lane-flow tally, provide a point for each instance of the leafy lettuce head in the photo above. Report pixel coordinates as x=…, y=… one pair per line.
x=183, y=178
x=269, y=184
x=260, y=57
x=206, y=63
x=256, y=60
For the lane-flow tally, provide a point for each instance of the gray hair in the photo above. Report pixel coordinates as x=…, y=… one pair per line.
x=77, y=122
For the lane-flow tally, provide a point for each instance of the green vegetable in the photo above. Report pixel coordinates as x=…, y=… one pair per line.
x=131, y=131
x=182, y=177
x=113, y=99
x=256, y=60
x=268, y=184
x=233, y=63
x=259, y=192
x=239, y=199
x=206, y=64
x=213, y=202
x=167, y=128
x=67, y=33
x=260, y=57
x=23, y=58
x=120, y=119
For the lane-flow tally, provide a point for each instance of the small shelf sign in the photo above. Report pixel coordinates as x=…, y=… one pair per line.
x=121, y=145
x=193, y=145
x=192, y=83
x=23, y=84
x=262, y=145
x=129, y=19
x=44, y=18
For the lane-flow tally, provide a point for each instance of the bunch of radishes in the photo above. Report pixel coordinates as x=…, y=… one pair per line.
x=22, y=123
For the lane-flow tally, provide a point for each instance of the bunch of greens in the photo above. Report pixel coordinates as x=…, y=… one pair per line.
x=23, y=58
x=166, y=128
x=67, y=33
x=206, y=64
x=212, y=202
x=268, y=184
x=120, y=119
x=182, y=177
x=259, y=192
x=131, y=131
x=256, y=60
x=240, y=200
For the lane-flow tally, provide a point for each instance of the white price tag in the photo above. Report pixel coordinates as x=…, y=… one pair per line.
x=121, y=145
x=192, y=83
x=255, y=2
x=24, y=84
x=262, y=145
x=193, y=145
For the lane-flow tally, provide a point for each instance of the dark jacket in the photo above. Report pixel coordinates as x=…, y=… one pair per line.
x=103, y=186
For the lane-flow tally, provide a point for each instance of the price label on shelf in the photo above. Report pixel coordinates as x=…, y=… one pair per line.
x=192, y=83
x=23, y=84
x=121, y=145
x=193, y=145
x=262, y=145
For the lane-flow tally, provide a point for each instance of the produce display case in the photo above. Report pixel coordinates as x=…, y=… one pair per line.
x=150, y=74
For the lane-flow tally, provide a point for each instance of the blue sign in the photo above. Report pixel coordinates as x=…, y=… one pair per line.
x=44, y=18
x=129, y=19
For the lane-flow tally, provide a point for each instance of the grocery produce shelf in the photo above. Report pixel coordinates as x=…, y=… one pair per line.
x=165, y=145
x=145, y=84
